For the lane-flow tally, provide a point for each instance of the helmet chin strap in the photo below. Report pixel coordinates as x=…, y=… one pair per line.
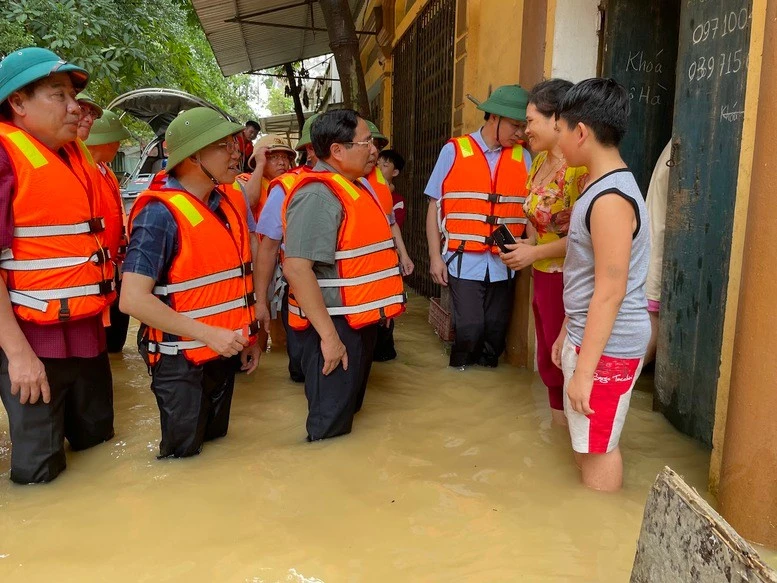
x=207, y=173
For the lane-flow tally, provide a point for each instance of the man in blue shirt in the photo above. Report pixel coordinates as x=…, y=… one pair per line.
x=480, y=284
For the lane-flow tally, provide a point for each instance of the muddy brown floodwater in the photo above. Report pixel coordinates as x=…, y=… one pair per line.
x=447, y=476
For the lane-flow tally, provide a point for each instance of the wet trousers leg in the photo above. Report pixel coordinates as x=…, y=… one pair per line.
x=116, y=333
x=293, y=346
x=548, y=306
x=332, y=399
x=467, y=302
x=481, y=315
x=497, y=308
x=369, y=340
x=194, y=402
x=384, y=345
x=80, y=410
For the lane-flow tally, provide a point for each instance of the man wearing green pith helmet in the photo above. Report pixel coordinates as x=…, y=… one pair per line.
x=477, y=186
x=103, y=141
x=188, y=279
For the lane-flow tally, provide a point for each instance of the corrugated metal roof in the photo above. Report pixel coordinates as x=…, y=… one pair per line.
x=241, y=47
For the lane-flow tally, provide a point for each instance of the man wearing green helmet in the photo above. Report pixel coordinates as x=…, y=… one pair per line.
x=188, y=278
x=56, y=381
x=103, y=141
x=476, y=188
x=90, y=112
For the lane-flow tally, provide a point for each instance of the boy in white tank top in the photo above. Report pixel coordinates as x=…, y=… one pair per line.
x=607, y=327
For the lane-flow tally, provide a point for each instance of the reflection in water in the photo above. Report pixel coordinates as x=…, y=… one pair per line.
x=448, y=476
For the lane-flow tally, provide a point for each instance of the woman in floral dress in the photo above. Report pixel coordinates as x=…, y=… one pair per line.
x=552, y=189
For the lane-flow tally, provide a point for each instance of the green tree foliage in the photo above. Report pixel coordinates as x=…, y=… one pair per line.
x=125, y=45
x=278, y=103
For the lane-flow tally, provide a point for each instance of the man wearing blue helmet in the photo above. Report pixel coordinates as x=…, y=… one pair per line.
x=55, y=285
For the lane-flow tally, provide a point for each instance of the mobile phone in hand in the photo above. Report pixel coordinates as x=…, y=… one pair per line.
x=503, y=237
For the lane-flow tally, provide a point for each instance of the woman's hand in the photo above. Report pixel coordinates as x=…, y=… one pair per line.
x=521, y=255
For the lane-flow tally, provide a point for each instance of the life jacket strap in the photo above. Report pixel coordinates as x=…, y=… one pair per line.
x=243, y=302
x=362, y=279
x=366, y=250
x=39, y=299
x=92, y=226
x=165, y=290
x=174, y=348
x=358, y=309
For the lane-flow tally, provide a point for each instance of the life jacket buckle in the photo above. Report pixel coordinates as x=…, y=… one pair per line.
x=102, y=256
x=492, y=220
x=494, y=198
x=250, y=299
x=64, y=310
x=96, y=225
x=248, y=268
x=106, y=287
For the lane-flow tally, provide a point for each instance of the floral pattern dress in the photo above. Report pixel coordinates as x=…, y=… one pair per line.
x=549, y=207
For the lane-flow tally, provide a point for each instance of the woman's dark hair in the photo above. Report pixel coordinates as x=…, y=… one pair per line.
x=602, y=105
x=337, y=126
x=253, y=124
x=546, y=96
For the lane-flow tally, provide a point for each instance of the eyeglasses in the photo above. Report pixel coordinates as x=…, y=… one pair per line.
x=368, y=143
x=231, y=146
x=278, y=157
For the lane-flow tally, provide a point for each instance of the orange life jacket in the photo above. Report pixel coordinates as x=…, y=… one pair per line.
x=370, y=279
x=210, y=277
x=56, y=268
x=263, y=192
x=381, y=188
x=474, y=204
x=111, y=208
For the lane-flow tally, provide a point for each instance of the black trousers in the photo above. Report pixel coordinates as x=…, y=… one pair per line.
x=334, y=399
x=293, y=346
x=116, y=333
x=384, y=345
x=80, y=410
x=194, y=402
x=481, y=315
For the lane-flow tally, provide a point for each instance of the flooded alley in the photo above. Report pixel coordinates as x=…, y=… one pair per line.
x=447, y=476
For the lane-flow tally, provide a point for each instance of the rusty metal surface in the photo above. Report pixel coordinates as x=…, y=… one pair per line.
x=423, y=93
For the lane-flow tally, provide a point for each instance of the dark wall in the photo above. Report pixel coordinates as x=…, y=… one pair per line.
x=707, y=132
x=640, y=52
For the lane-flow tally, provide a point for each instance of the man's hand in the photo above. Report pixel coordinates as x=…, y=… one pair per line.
x=521, y=255
x=263, y=316
x=28, y=378
x=259, y=158
x=406, y=264
x=225, y=342
x=333, y=351
x=249, y=358
x=439, y=271
x=579, y=393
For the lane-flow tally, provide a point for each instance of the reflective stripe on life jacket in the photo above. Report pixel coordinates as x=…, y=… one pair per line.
x=369, y=277
x=110, y=206
x=210, y=276
x=473, y=203
x=56, y=268
x=382, y=190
